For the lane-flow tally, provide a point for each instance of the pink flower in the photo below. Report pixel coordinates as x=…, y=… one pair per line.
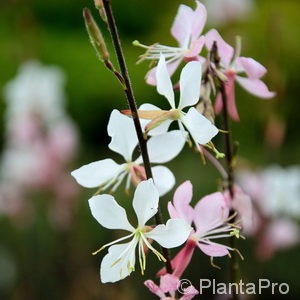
x=210, y=217
x=186, y=29
x=170, y=284
x=233, y=64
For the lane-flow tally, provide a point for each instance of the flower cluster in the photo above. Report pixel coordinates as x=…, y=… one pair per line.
x=187, y=29
x=213, y=218
x=40, y=141
x=275, y=192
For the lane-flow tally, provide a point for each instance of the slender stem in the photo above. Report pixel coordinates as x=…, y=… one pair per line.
x=132, y=104
x=234, y=265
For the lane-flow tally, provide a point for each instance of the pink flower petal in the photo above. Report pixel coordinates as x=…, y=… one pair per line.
x=210, y=211
x=182, y=198
x=224, y=49
x=198, y=20
x=255, y=87
x=230, y=93
x=253, y=69
x=153, y=288
x=168, y=283
x=213, y=250
x=181, y=28
x=195, y=48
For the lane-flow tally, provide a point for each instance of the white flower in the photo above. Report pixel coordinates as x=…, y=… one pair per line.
x=120, y=260
x=200, y=128
x=36, y=90
x=107, y=173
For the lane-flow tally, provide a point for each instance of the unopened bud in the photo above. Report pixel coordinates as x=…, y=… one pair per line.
x=95, y=35
x=98, y=3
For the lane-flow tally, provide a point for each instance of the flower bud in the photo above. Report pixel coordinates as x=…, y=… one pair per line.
x=95, y=35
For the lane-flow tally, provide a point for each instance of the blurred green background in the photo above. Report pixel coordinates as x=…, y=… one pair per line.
x=39, y=262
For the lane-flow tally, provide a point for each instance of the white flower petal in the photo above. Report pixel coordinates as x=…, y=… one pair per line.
x=145, y=201
x=164, y=84
x=201, y=129
x=111, y=269
x=97, y=173
x=190, y=84
x=109, y=213
x=164, y=179
x=122, y=132
x=173, y=234
x=164, y=147
x=162, y=128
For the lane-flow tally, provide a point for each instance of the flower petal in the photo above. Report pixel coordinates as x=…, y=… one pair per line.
x=181, y=28
x=253, y=69
x=171, y=66
x=162, y=128
x=182, y=198
x=164, y=179
x=109, y=213
x=164, y=147
x=255, y=87
x=198, y=20
x=173, y=234
x=122, y=131
x=169, y=283
x=196, y=47
x=190, y=84
x=225, y=50
x=201, y=129
x=164, y=84
x=210, y=211
x=97, y=173
x=145, y=201
x=213, y=250
x=111, y=269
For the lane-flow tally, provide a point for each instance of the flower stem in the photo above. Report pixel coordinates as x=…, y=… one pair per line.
x=234, y=265
x=132, y=104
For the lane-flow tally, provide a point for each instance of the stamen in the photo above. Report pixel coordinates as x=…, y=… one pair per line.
x=214, y=265
x=113, y=242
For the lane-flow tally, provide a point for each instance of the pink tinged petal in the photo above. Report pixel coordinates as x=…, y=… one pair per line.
x=145, y=201
x=182, y=259
x=122, y=132
x=164, y=179
x=111, y=270
x=230, y=94
x=198, y=20
x=210, y=211
x=182, y=198
x=253, y=69
x=173, y=234
x=213, y=250
x=255, y=87
x=109, y=213
x=190, y=84
x=181, y=28
x=201, y=129
x=169, y=283
x=97, y=173
x=189, y=293
x=171, y=66
x=195, y=48
x=164, y=84
x=225, y=50
x=153, y=288
x=164, y=147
